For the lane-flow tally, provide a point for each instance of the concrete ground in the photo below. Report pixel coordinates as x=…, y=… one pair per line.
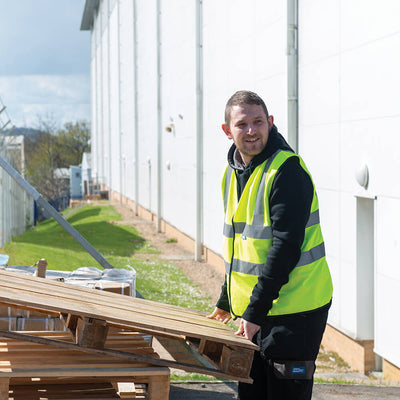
x=322, y=391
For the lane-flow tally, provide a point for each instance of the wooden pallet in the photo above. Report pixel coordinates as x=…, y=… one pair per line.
x=198, y=344
x=70, y=391
x=32, y=369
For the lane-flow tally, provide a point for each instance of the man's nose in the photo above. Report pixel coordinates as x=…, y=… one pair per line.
x=251, y=129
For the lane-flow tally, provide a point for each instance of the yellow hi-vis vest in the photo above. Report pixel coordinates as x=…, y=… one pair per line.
x=248, y=238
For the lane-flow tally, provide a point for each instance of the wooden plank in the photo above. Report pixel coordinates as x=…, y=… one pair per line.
x=128, y=314
x=162, y=308
x=91, y=332
x=126, y=390
x=213, y=350
x=41, y=268
x=182, y=352
x=236, y=362
x=70, y=322
x=4, y=387
x=158, y=388
x=123, y=310
x=72, y=391
x=106, y=372
x=87, y=296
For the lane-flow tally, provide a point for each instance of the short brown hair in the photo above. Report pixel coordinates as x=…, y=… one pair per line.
x=243, y=97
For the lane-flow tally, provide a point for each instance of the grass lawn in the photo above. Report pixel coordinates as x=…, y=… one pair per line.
x=119, y=244
x=156, y=280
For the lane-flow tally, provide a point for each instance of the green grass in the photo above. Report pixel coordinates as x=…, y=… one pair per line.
x=120, y=244
x=192, y=377
x=341, y=381
x=62, y=252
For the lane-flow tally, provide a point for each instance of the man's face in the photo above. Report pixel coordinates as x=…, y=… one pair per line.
x=249, y=129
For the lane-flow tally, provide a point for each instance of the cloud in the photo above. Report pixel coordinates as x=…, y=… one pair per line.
x=43, y=37
x=66, y=98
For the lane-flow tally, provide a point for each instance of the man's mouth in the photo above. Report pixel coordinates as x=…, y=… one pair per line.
x=252, y=140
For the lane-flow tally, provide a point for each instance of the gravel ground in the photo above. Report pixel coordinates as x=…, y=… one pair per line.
x=227, y=391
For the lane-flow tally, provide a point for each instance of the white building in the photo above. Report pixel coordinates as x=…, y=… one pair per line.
x=162, y=72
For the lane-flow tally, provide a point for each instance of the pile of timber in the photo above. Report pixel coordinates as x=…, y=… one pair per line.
x=30, y=368
x=197, y=344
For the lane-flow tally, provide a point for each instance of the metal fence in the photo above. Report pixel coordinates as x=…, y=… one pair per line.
x=16, y=205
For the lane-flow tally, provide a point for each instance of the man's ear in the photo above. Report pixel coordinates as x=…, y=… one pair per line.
x=227, y=131
x=270, y=122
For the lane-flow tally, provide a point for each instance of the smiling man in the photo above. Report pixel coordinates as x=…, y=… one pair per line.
x=277, y=278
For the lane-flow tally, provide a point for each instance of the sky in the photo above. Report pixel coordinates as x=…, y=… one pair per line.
x=44, y=62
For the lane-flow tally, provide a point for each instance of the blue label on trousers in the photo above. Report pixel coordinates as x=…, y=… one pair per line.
x=298, y=370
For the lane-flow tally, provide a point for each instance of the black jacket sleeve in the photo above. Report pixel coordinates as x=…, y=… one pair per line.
x=290, y=204
x=223, y=301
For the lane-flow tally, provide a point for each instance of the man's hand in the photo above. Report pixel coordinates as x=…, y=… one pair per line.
x=247, y=329
x=220, y=315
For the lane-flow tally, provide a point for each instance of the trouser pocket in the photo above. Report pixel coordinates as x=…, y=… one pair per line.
x=286, y=369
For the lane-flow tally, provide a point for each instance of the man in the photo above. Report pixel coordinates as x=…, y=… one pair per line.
x=277, y=279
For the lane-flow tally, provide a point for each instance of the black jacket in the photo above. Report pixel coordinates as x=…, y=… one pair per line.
x=290, y=203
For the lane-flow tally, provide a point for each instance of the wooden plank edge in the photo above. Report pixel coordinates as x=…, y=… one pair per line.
x=122, y=355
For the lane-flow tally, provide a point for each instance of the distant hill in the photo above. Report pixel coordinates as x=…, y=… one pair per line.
x=21, y=131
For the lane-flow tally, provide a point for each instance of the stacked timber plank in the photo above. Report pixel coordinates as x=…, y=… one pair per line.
x=51, y=370
x=196, y=343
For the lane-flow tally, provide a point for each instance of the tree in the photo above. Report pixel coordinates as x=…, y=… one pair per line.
x=73, y=140
x=52, y=148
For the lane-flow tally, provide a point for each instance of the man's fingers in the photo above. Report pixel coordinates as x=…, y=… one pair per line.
x=212, y=316
x=240, y=329
x=220, y=315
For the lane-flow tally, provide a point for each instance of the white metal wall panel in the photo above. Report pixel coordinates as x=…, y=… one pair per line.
x=179, y=109
x=147, y=103
x=320, y=145
x=104, y=10
x=114, y=77
x=244, y=48
x=349, y=114
x=387, y=278
x=105, y=105
x=94, y=95
x=127, y=98
x=98, y=164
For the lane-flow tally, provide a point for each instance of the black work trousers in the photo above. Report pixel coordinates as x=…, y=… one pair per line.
x=294, y=337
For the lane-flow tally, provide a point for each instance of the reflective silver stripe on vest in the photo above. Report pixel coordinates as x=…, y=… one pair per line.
x=227, y=186
x=315, y=254
x=248, y=231
x=228, y=231
x=258, y=218
x=312, y=255
x=313, y=219
x=244, y=267
x=261, y=232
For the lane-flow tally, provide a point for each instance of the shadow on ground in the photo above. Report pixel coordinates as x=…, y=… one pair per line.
x=203, y=391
